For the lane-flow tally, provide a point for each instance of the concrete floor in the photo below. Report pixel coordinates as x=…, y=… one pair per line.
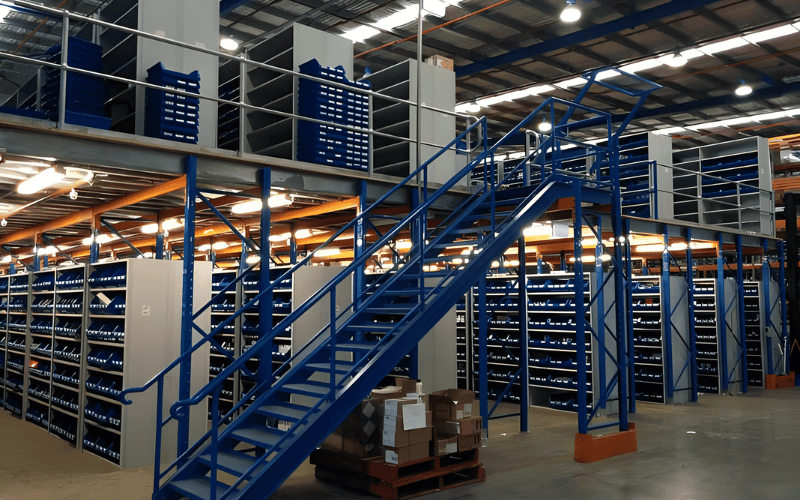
x=724, y=447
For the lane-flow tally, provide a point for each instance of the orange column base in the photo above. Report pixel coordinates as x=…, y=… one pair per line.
x=589, y=448
x=779, y=381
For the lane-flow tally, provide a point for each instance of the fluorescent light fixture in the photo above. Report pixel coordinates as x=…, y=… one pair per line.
x=490, y=101
x=714, y=48
x=167, y=225
x=674, y=60
x=399, y=18
x=657, y=248
x=473, y=107
x=692, y=54
x=360, y=34
x=229, y=44
x=220, y=245
x=6, y=259
x=327, y=252
x=403, y=245
x=252, y=259
x=495, y=264
x=4, y=11
x=42, y=180
x=279, y=200
x=457, y=261
x=302, y=233
x=763, y=36
x=571, y=13
x=279, y=237
x=642, y=65
x=436, y=7
x=744, y=90
x=669, y=131
x=204, y=248
x=101, y=239
x=573, y=82
x=585, y=259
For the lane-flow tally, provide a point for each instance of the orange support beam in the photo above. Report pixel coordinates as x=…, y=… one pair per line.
x=88, y=214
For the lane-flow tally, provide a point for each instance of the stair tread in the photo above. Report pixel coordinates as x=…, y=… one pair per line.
x=197, y=488
x=394, y=309
x=373, y=326
x=355, y=345
x=258, y=435
x=291, y=414
x=341, y=367
x=309, y=387
x=232, y=462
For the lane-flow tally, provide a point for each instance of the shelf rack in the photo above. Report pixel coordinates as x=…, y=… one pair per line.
x=714, y=200
x=754, y=334
x=661, y=339
x=85, y=334
x=716, y=323
x=551, y=331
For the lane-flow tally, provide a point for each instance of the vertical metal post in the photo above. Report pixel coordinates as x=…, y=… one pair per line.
x=293, y=245
x=242, y=93
x=692, y=332
x=631, y=365
x=44, y=262
x=62, y=91
x=526, y=170
x=370, y=138
x=740, y=299
x=333, y=345
x=94, y=248
x=766, y=305
x=601, y=308
x=483, y=351
x=36, y=261
x=539, y=266
x=790, y=212
x=523, y=338
x=666, y=321
x=39, y=83
x=580, y=315
x=360, y=245
x=265, y=320
x=187, y=304
x=782, y=293
x=722, y=324
x=419, y=91
x=160, y=244
x=621, y=284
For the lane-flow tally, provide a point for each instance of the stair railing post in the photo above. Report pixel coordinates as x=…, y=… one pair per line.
x=159, y=426
x=265, y=309
x=333, y=346
x=523, y=337
x=214, y=440
x=185, y=379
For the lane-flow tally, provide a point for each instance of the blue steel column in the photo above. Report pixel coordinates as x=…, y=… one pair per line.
x=293, y=246
x=601, y=307
x=740, y=297
x=690, y=298
x=187, y=305
x=265, y=321
x=360, y=245
x=722, y=327
x=629, y=320
x=94, y=248
x=523, y=338
x=580, y=314
x=782, y=292
x=621, y=283
x=160, y=244
x=483, y=383
x=666, y=318
x=415, y=244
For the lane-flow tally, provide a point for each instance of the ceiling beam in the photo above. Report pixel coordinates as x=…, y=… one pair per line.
x=597, y=31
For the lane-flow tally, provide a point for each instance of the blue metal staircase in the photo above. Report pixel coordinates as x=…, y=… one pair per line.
x=314, y=391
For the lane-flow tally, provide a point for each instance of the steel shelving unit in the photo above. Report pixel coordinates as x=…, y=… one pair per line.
x=716, y=324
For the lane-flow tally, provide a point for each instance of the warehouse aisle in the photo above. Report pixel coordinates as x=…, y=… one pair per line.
x=725, y=447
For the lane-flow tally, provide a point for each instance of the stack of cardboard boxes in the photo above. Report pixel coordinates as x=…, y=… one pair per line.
x=455, y=428
x=401, y=425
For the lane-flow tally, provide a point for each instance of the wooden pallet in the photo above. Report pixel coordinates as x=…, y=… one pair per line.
x=397, y=482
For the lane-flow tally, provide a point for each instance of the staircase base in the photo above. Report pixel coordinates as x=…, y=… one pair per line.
x=398, y=482
x=780, y=381
x=589, y=448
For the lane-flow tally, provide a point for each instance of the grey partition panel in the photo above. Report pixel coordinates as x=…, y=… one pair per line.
x=659, y=149
x=775, y=330
x=436, y=353
x=733, y=338
x=680, y=333
x=608, y=329
x=306, y=282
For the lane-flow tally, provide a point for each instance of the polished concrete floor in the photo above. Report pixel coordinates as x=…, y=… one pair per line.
x=724, y=447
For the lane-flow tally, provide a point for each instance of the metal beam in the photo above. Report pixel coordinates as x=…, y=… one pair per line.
x=88, y=214
x=597, y=31
x=228, y=6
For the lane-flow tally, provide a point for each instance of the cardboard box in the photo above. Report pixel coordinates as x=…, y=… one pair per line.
x=408, y=386
x=392, y=423
x=394, y=407
x=464, y=427
x=446, y=446
x=452, y=404
x=466, y=443
x=397, y=438
x=440, y=61
x=391, y=392
x=407, y=454
x=359, y=434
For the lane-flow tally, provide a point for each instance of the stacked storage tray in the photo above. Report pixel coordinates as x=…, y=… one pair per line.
x=330, y=145
x=172, y=116
x=85, y=94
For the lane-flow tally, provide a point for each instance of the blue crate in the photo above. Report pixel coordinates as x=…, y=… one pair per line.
x=333, y=98
x=153, y=127
x=158, y=96
x=173, y=136
x=159, y=100
x=28, y=113
x=314, y=68
x=159, y=75
x=155, y=118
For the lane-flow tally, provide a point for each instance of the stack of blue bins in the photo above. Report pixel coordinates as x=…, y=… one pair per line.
x=85, y=94
x=172, y=116
x=331, y=145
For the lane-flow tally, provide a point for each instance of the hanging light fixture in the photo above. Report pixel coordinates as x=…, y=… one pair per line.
x=744, y=90
x=571, y=13
x=545, y=126
x=473, y=107
x=675, y=60
x=42, y=180
x=228, y=44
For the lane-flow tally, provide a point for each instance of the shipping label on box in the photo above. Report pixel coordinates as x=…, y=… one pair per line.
x=404, y=454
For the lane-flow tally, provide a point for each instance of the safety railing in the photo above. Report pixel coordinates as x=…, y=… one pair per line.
x=66, y=17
